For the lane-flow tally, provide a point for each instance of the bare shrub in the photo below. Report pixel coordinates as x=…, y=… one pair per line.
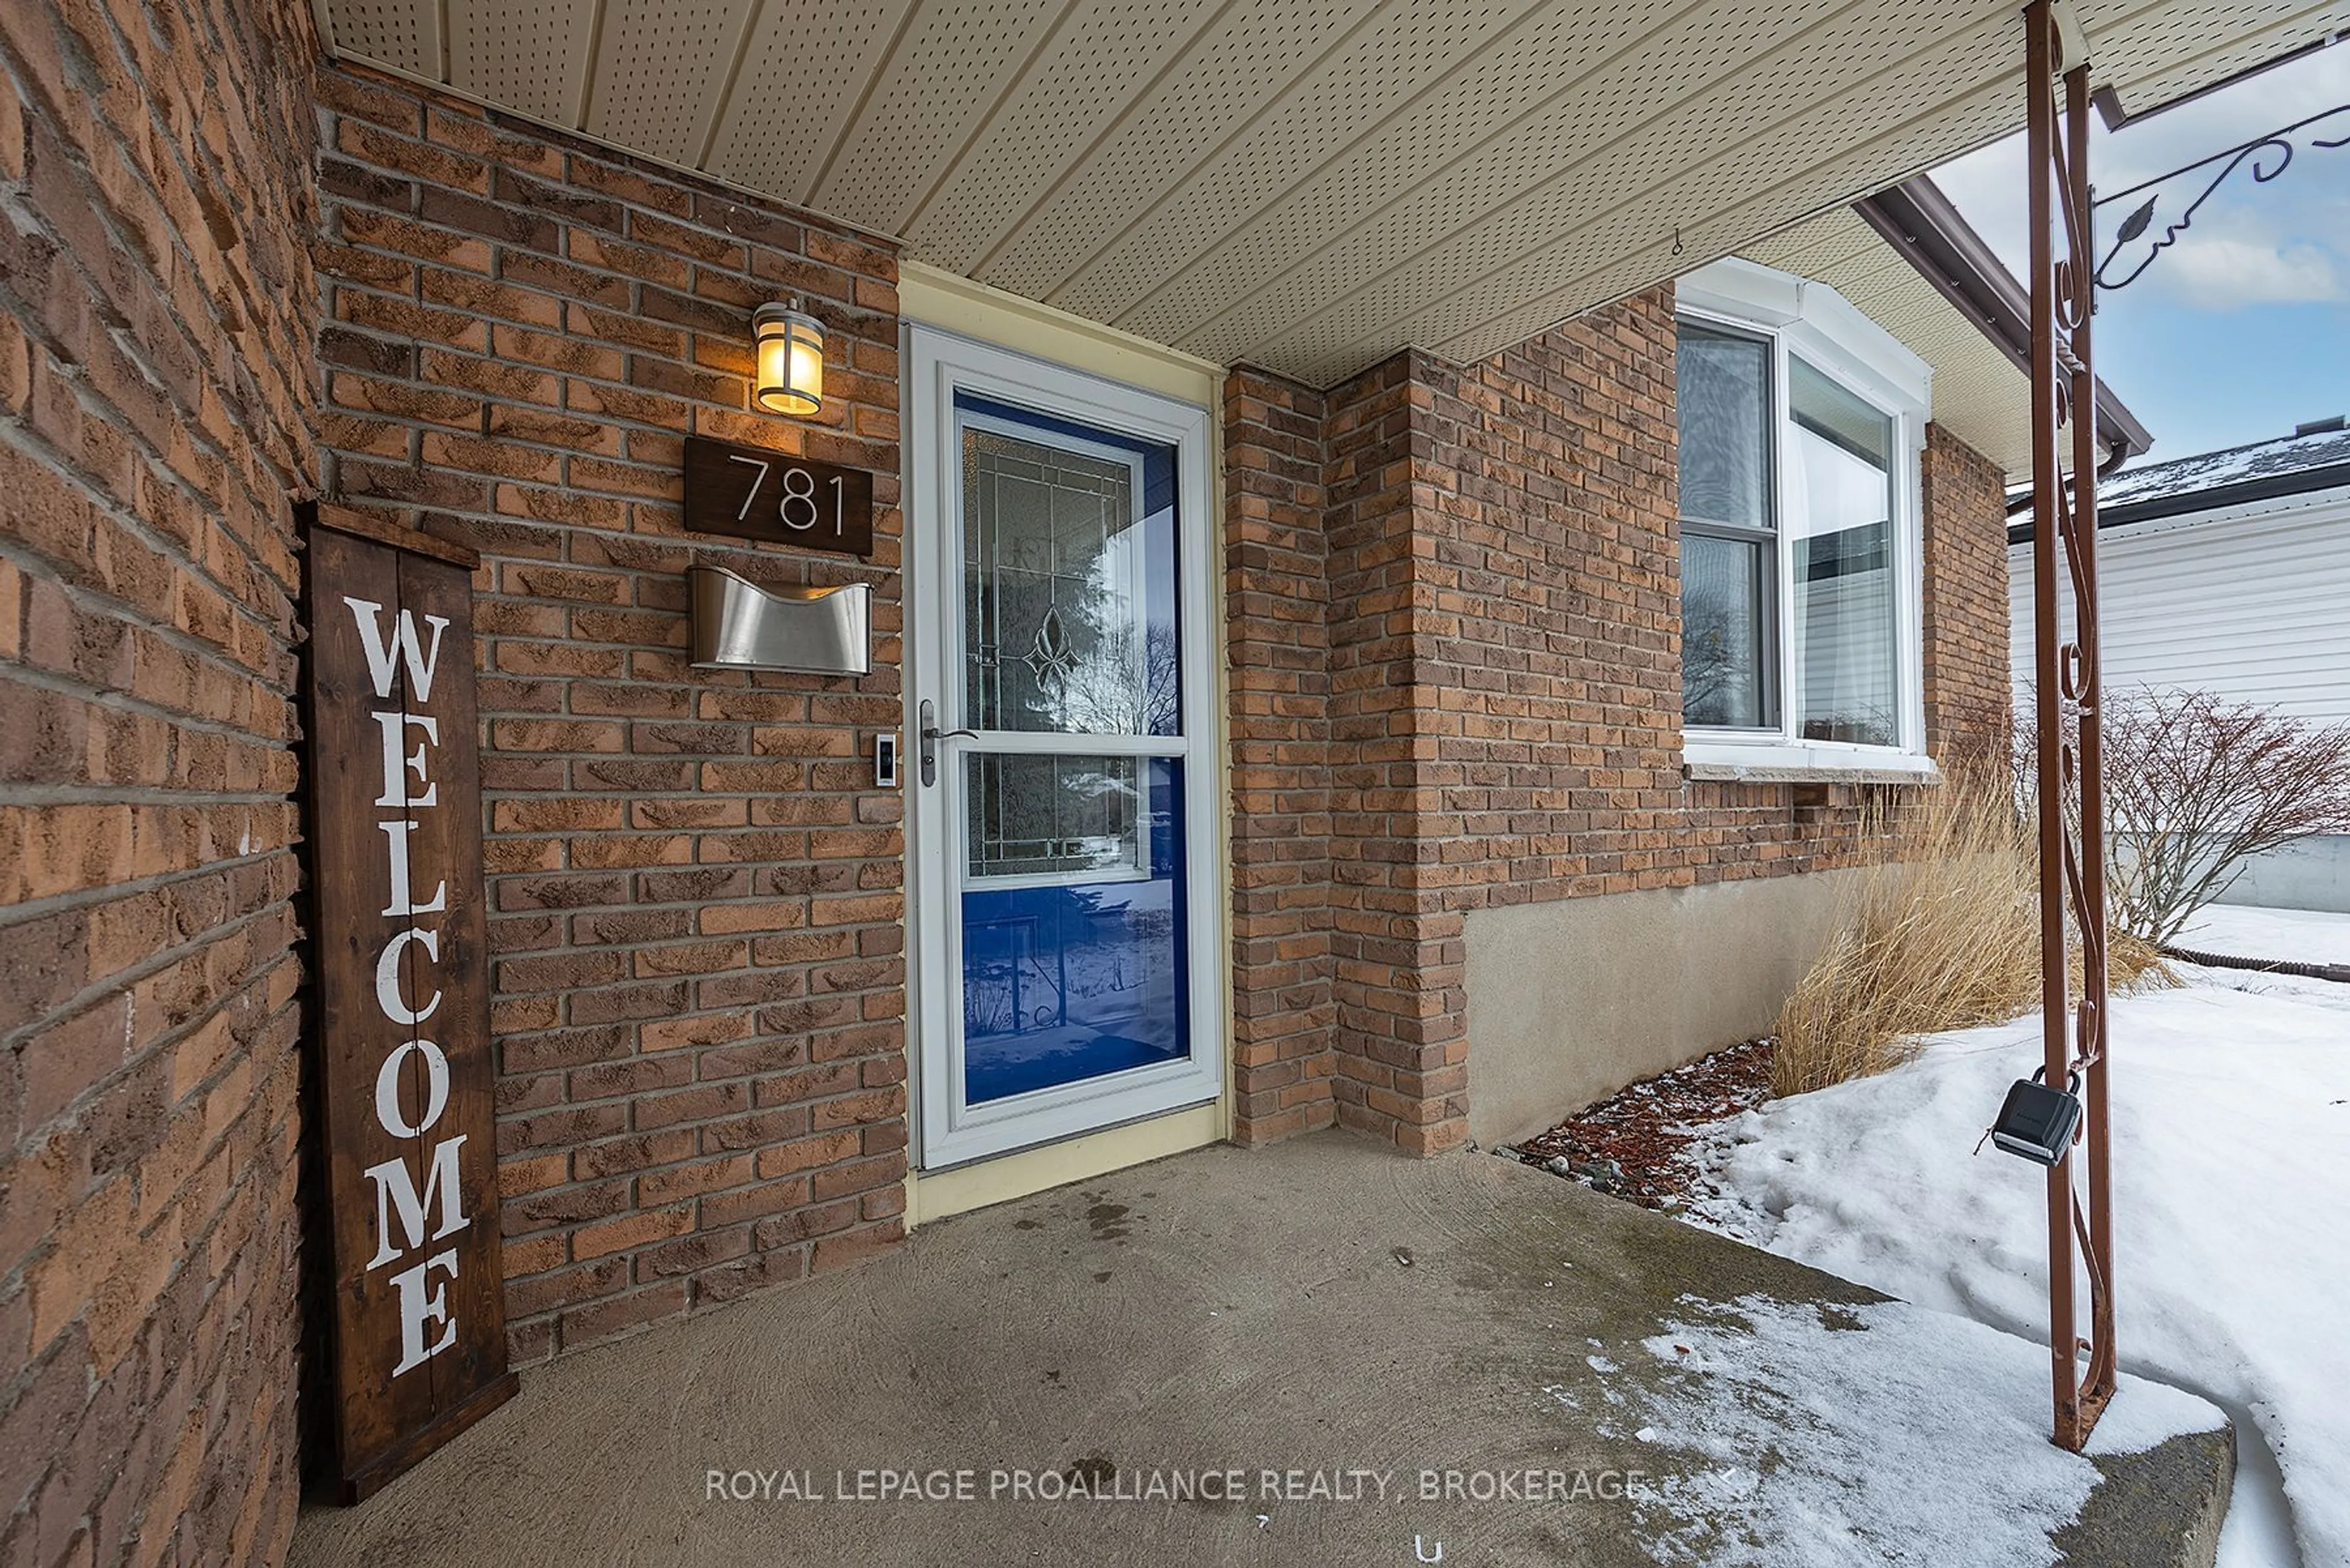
x=1941, y=933
x=2195, y=786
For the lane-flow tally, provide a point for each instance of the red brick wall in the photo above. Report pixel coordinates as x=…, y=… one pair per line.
x=1555, y=636
x=1276, y=582
x=1968, y=693
x=156, y=384
x=1402, y=1063
x=696, y=894
x=1500, y=585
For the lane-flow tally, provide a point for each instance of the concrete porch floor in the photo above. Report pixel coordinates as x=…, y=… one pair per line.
x=1220, y=1309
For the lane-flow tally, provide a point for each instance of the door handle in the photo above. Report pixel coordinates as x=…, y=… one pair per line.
x=932, y=735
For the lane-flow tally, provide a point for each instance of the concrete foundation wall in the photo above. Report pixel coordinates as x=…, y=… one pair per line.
x=2313, y=874
x=2308, y=874
x=1571, y=1000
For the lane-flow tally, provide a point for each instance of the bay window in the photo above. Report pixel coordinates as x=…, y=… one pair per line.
x=1800, y=427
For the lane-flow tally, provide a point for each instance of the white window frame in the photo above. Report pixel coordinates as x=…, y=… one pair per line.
x=1802, y=319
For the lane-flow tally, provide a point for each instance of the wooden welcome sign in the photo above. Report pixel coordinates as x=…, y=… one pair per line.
x=402, y=1010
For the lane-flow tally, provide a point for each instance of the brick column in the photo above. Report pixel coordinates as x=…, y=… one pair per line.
x=1969, y=695
x=1402, y=1046
x=1276, y=598
x=157, y=403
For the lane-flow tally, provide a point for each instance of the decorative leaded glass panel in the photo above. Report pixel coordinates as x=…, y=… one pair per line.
x=1068, y=632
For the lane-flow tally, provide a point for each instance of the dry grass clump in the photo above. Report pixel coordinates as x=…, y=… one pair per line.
x=2132, y=963
x=1943, y=932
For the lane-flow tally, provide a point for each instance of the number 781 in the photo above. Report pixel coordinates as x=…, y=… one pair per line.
x=797, y=508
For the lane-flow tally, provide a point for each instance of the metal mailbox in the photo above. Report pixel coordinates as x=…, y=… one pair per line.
x=738, y=625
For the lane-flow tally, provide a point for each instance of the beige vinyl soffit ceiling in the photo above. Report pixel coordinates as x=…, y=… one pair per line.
x=1305, y=184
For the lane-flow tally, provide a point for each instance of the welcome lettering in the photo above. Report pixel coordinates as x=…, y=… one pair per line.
x=409, y=1218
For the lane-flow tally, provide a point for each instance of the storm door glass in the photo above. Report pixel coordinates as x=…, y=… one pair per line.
x=1074, y=931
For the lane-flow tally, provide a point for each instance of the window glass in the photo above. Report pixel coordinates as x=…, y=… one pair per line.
x=1724, y=398
x=1726, y=648
x=1820, y=613
x=1844, y=620
x=1030, y=813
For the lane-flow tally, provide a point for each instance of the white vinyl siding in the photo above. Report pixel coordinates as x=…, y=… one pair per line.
x=2252, y=607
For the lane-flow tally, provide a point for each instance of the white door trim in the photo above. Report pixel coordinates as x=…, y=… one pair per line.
x=947, y=1131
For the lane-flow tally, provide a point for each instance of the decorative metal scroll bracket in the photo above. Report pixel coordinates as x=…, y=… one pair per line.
x=2267, y=157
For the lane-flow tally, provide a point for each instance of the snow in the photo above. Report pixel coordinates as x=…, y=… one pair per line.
x=2291, y=936
x=1865, y=1435
x=2277, y=458
x=2231, y=1165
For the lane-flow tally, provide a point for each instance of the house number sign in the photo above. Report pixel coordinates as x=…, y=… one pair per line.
x=401, y=1021
x=754, y=494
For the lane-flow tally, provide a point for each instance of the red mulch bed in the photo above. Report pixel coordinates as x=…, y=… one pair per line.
x=1643, y=1128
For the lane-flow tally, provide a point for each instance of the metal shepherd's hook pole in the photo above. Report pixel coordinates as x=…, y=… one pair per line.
x=2071, y=797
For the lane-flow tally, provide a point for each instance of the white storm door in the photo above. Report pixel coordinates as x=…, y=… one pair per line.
x=1065, y=839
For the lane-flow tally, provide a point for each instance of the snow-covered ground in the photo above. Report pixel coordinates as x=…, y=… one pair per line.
x=2295, y=936
x=1790, y=1439
x=2231, y=1161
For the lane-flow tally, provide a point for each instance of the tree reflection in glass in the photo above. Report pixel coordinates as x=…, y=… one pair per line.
x=1068, y=589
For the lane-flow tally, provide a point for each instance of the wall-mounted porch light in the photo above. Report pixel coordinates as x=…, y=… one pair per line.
x=790, y=358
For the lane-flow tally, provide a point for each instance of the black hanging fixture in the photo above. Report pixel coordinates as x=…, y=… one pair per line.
x=2267, y=156
x=2037, y=1121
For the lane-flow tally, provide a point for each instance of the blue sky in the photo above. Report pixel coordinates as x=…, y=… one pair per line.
x=2242, y=329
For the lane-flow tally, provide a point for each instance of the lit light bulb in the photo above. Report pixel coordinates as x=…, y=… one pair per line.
x=790, y=359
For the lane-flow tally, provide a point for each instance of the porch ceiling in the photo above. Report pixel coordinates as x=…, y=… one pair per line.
x=1306, y=184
